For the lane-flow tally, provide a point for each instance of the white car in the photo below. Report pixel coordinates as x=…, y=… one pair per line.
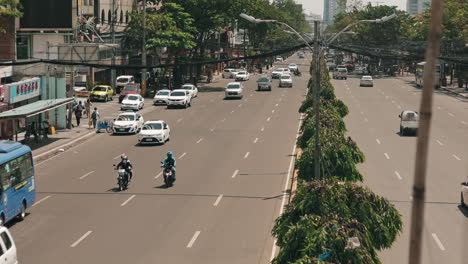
x=179, y=98
x=366, y=81
x=154, y=132
x=128, y=123
x=242, y=76
x=8, y=253
x=234, y=90
x=277, y=73
x=409, y=122
x=229, y=73
x=285, y=81
x=279, y=59
x=191, y=88
x=132, y=102
x=292, y=67
x=161, y=97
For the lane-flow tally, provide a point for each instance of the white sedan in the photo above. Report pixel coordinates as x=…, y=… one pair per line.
x=366, y=81
x=154, y=132
x=293, y=67
x=193, y=90
x=234, y=90
x=128, y=123
x=285, y=81
x=133, y=102
x=179, y=98
x=161, y=97
x=242, y=76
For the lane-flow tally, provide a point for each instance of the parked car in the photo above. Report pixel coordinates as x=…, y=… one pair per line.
x=279, y=59
x=193, y=90
x=242, y=76
x=264, y=83
x=464, y=195
x=128, y=123
x=154, y=132
x=409, y=122
x=229, y=73
x=293, y=67
x=161, y=97
x=276, y=74
x=285, y=81
x=179, y=97
x=131, y=88
x=366, y=81
x=123, y=80
x=133, y=102
x=340, y=73
x=101, y=93
x=234, y=90
x=8, y=253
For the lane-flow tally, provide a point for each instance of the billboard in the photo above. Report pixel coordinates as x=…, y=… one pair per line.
x=23, y=90
x=46, y=14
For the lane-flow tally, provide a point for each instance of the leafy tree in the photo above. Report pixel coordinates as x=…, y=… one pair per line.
x=9, y=8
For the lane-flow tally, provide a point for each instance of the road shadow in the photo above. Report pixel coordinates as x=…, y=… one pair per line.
x=464, y=210
x=210, y=89
x=44, y=142
x=14, y=221
x=162, y=186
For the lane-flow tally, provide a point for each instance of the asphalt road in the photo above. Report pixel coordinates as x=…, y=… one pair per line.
x=390, y=159
x=233, y=157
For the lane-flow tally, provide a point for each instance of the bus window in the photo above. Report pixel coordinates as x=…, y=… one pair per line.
x=5, y=177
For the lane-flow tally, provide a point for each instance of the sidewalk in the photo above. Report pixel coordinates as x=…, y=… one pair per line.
x=451, y=88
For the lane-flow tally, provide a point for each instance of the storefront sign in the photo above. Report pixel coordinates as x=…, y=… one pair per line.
x=24, y=90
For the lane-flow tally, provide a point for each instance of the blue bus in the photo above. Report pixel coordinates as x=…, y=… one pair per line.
x=17, y=189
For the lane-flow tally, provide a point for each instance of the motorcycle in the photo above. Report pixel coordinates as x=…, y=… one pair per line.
x=167, y=174
x=122, y=179
x=297, y=73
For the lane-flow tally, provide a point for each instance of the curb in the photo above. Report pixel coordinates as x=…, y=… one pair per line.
x=295, y=176
x=453, y=92
x=57, y=150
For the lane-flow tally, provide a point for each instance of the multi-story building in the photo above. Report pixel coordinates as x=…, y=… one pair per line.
x=414, y=7
x=331, y=8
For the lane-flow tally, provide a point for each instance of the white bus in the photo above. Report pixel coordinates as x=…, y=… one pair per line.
x=419, y=74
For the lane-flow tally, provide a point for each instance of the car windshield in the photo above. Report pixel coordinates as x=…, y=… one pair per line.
x=263, y=80
x=342, y=70
x=99, y=89
x=367, y=78
x=177, y=94
x=242, y=73
x=130, y=88
x=233, y=86
x=292, y=65
x=132, y=97
x=410, y=116
x=279, y=70
x=152, y=126
x=126, y=118
x=187, y=87
x=285, y=77
x=163, y=93
x=123, y=80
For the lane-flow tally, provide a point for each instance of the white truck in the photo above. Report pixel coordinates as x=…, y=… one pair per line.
x=409, y=122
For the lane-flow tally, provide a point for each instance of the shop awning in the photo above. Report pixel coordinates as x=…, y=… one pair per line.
x=35, y=108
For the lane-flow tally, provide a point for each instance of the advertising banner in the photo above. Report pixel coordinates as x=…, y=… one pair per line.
x=23, y=90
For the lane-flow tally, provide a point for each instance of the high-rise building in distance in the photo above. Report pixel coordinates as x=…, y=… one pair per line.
x=414, y=7
x=331, y=9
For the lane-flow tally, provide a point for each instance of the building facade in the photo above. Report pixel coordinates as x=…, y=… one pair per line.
x=414, y=7
x=331, y=8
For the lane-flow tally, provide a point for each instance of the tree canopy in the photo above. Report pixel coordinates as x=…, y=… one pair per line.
x=9, y=8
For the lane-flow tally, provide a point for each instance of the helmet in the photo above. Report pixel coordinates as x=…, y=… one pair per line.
x=169, y=153
x=124, y=157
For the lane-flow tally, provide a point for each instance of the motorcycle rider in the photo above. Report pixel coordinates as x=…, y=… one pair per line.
x=126, y=165
x=170, y=160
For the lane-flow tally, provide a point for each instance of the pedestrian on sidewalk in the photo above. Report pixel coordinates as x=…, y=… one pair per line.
x=88, y=106
x=78, y=113
x=95, y=117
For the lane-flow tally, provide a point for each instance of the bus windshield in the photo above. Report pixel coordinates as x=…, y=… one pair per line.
x=16, y=178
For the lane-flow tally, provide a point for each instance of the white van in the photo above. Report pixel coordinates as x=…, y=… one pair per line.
x=7, y=247
x=122, y=81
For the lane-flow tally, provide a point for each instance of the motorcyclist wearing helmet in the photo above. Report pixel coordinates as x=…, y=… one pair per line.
x=126, y=165
x=170, y=161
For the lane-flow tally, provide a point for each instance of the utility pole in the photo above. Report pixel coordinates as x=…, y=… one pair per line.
x=143, y=53
x=317, y=100
x=422, y=147
x=113, y=17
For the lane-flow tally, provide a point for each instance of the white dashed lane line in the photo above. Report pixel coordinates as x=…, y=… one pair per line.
x=437, y=240
x=398, y=175
x=378, y=141
x=255, y=141
x=386, y=155
x=200, y=140
x=456, y=157
x=194, y=238
x=86, y=175
x=159, y=175
x=440, y=143
x=178, y=120
x=41, y=200
x=246, y=155
x=450, y=114
x=263, y=128
x=183, y=155
x=268, y=119
x=235, y=173
x=81, y=239
x=463, y=122
x=128, y=200
x=218, y=200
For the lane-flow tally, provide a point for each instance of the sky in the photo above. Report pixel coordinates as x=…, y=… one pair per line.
x=316, y=6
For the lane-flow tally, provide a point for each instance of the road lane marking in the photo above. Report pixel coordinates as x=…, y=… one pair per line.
x=128, y=200
x=183, y=154
x=362, y=113
x=224, y=119
x=232, y=111
x=178, y=120
x=450, y=114
x=255, y=141
x=235, y=173
x=440, y=143
x=41, y=200
x=276, y=105
x=393, y=101
x=456, y=157
x=240, y=105
x=192, y=241
x=157, y=176
x=463, y=122
x=81, y=239
x=212, y=129
x=398, y=175
x=272, y=111
x=386, y=155
x=246, y=155
x=251, y=94
x=437, y=240
x=200, y=140
x=86, y=175
x=263, y=128
x=218, y=200
x=378, y=141
x=286, y=185
x=268, y=119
